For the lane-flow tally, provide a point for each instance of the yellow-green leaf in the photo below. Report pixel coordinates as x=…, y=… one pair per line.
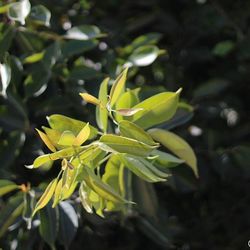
x=58, y=193
x=126, y=145
x=140, y=169
x=101, y=110
x=67, y=138
x=118, y=87
x=82, y=136
x=52, y=134
x=176, y=145
x=47, y=195
x=90, y=98
x=40, y=160
x=46, y=140
x=131, y=130
x=62, y=123
x=34, y=58
x=84, y=197
x=128, y=112
x=156, y=109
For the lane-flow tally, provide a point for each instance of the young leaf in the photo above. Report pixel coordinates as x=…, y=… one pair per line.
x=67, y=138
x=131, y=130
x=34, y=58
x=40, y=160
x=156, y=109
x=126, y=145
x=7, y=186
x=47, y=195
x=58, y=193
x=62, y=123
x=82, y=136
x=118, y=87
x=90, y=99
x=176, y=145
x=139, y=169
x=101, y=111
x=46, y=140
x=128, y=112
x=126, y=101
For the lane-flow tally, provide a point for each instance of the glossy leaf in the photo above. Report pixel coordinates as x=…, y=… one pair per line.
x=41, y=15
x=48, y=224
x=156, y=109
x=5, y=76
x=128, y=112
x=19, y=11
x=68, y=223
x=84, y=197
x=126, y=145
x=176, y=145
x=46, y=196
x=83, y=32
x=101, y=111
x=67, y=138
x=118, y=87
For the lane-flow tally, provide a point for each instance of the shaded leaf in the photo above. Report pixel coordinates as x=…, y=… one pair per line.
x=7, y=186
x=41, y=15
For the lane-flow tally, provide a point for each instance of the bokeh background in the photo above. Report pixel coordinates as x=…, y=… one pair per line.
x=200, y=45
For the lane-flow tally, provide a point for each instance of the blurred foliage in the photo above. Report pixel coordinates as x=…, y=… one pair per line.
x=202, y=45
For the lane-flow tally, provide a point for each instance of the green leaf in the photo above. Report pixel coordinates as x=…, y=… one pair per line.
x=90, y=99
x=166, y=160
x=6, y=40
x=46, y=140
x=46, y=196
x=58, y=193
x=67, y=138
x=68, y=224
x=10, y=212
x=118, y=87
x=83, y=135
x=101, y=110
x=140, y=169
x=19, y=11
x=83, y=32
x=126, y=145
x=176, y=145
x=144, y=56
x=7, y=186
x=156, y=109
x=127, y=100
x=84, y=197
x=4, y=8
x=41, y=15
x=48, y=224
x=62, y=123
x=131, y=130
x=223, y=48
x=102, y=189
x=34, y=58
x=5, y=76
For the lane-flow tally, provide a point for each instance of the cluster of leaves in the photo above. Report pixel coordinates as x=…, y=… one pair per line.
x=41, y=69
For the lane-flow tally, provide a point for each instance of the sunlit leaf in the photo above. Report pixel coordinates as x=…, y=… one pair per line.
x=58, y=193
x=101, y=111
x=46, y=140
x=176, y=145
x=126, y=145
x=156, y=109
x=82, y=136
x=5, y=76
x=90, y=99
x=131, y=130
x=83, y=32
x=128, y=112
x=34, y=58
x=118, y=87
x=46, y=196
x=84, y=196
x=67, y=138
